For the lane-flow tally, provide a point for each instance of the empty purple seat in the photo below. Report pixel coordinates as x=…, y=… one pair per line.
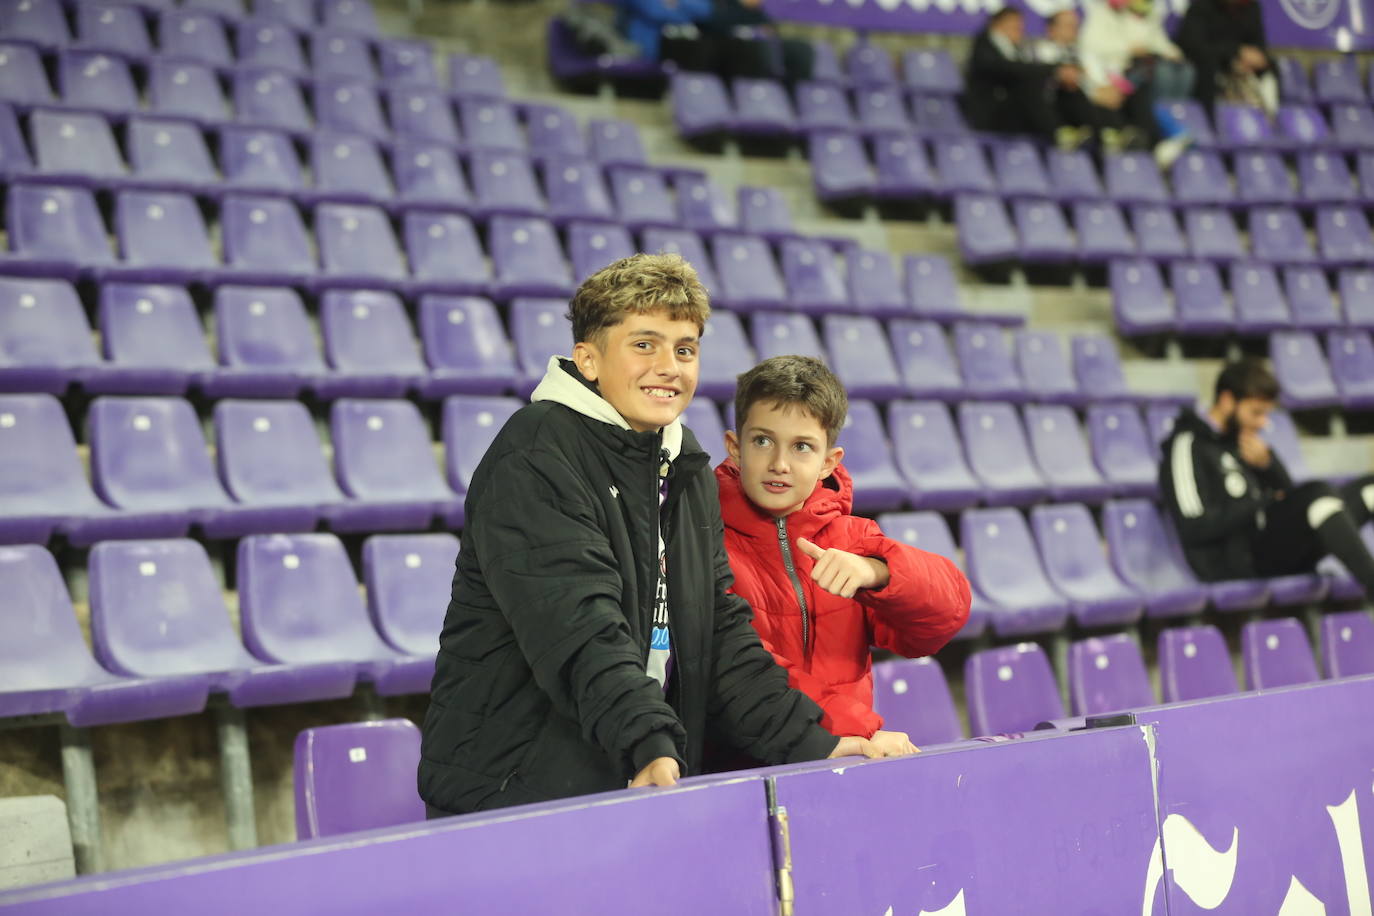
x=1309, y=298
x=539, y=332
x=48, y=669
x=1276, y=653
x=869, y=65
x=1356, y=287
x=786, y=333
x=1245, y=126
x=1073, y=177
x=986, y=235
x=642, y=198
x=592, y=246
x=861, y=358
x=1304, y=379
x=264, y=240
x=348, y=168
x=472, y=75
x=1140, y=302
x=1159, y=420
x=350, y=106
x=881, y=110
x=553, y=133
x=383, y=454
x=813, y=278
x=45, y=341
x=912, y=697
x=1364, y=169
x=54, y=231
x=471, y=423
x=226, y=9
x=333, y=54
x=1147, y=557
x=1102, y=233
x=840, y=168
x=1107, y=674
x=444, y=254
x=422, y=114
x=1020, y=173
x=348, y=16
x=576, y=191
x=526, y=258
x=1277, y=235
x=903, y=170
x=357, y=248
x=878, y=485
x=999, y=454
x=271, y=99
x=873, y=285
x=1294, y=83
x=1303, y=125
x=1348, y=644
x=701, y=107
x=1044, y=234
x=703, y=419
x=170, y=154
x=407, y=60
x=1352, y=367
x=1061, y=454
x=1337, y=79
x=937, y=114
x=986, y=363
x=1044, y=368
x=1200, y=177
x=269, y=45
x=1282, y=436
x=1324, y=177
x=688, y=244
x=762, y=109
x=931, y=70
x=189, y=35
x=162, y=238
x=299, y=602
x=428, y=176
x=822, y=106
x=267, y=347
x=14, y=151
x=355, y=777
x=23, y=79
x=465, y=347
x=1343, y=236
x=1190, y=114
x=369, y=343
x=1077, y=567
x=269, y=454
x=1133, y=178
x=704, y=206
x=503, y=183
x=112, y=28
x=962, y=165
x=615, y=142
x=1123, y=450
x=926, y=360
x=259, y=160
x=1194, y=664
x=37, y=22
x=153, y=339
x=1353, y=126
x=1010, y=689
x=1212, y=235
x=403, y=573
x=1200, y=300
x=1157, y=232
x=931, y=458
x=725, y=355
x=1260, y=304
x=748, y=275
x=764, y=211
x=1262, y=178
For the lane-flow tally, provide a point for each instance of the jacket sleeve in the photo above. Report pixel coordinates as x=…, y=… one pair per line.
x=925, y=602
x=988, y=61
x=1099, y=45
x=751, y=703
x=551, y=570
x=1203, y=41
x=1191, y=483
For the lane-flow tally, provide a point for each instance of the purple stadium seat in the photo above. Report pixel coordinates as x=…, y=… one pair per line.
x=354, y=777
x=269, y=454
x=157, y=611
x=369, y=343
x=1324, y=177
x=938, y=114
x=46, y=667
x=1102, y=233
x=473, y=75
x=111, y=28
x=1044, y=234
x=642, y=198
x=1199, y=177
x=1343, y=236
x=169, y=154
x=1159, y=420
x=903, y=168
x=407, y=60
x=1276, y=654
x=503, y=183
x=999, y=455
x=1304, y=379
x=153, y=339
x=962, y=165
x=1073, y=177
x=1123, y=449
x=267, y=347
x=704, y=205
x=428, y=176
x=1193, y=118
x=444, y=254
x=1262, y=178
x=334, y=54
x=821, y=106
x=724, y=356
x=189, y=35
x=36, y=22
x=383, y=454
x=986, y=235
x=465, y=346
x=1140, y=302
x=1107, y=674
x=764, y=211
x=912, y=697
x=1061, y=454
x=1133, y=178
x=762, y=108
x=986, y=362
x=471, y=423
x=931, y=458
x=1200, y=300
x=868, y=65
x=1044, y=368
x=348, y=169
x=873, y=285
x=1276, y=235
x=403, y=573
x=299, y=603
x=1348, y=644
x=785, y=333
x=748, y=275
x=1157, y=232
x=54, y=231
x=881, y=110
x=688, y=244
x=1352, y=367
x=265, y=240
x=1309, y=298
x=1353, y=126
x=701, y=106
x=348, y=16
x=1282, y=435
x=812, y=277
x=1260, y=304
x=1356, y=288
x=538, y=331
x=1194, y=664
x=162, y=238
x=265, y=44
x=1097, y=366
x=1303, y=125
x=227, y=9
x=826, y=66
x=490, y=124
x=1146, y=556
x=14, y=151
x=526, y=259
x=1245, y=127
x=928, y=531
x=1212, y=234
x=615, y=142
x=23, y=78
x=270, y=99
x=840, y=168
x=1294, y=83
x=1077, y=568
x=422, y=114
x=860, y=356
x=1010, y=690
x=1364, y=169
x=878, y=485
x=931, y=70
x=702, y=418
x=349, y=106
x=259, y=160
x=45, y=341
x=592, y=246
x=926, y=360
x=1019, y=171
x=1337, y=79
x=576, y=191
x=554, y=134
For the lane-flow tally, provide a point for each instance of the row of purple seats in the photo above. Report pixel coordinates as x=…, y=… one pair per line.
x=922, y=69
x=1262, y=298
x=164, y=640
x=1343, y=376
x=1333, y=80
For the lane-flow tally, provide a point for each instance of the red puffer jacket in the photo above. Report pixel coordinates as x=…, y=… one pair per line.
x=923, y=605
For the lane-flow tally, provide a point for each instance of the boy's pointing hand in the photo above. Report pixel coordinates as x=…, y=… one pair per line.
x=842, y=573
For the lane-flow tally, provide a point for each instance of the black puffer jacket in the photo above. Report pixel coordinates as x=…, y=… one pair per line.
x=540, y=688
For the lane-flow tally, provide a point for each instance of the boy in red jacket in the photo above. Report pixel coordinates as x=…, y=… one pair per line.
x=825, y=585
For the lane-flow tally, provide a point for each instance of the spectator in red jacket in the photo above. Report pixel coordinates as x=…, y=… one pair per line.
x=825, y=585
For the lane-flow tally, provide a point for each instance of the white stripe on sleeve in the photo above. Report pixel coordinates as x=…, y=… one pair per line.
x=1185, y=481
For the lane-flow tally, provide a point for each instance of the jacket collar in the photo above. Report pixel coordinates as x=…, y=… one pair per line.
x=832, y=498
x=1189, y=420
x=563, y=384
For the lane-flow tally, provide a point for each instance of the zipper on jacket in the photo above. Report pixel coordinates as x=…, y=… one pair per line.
x=791, y=568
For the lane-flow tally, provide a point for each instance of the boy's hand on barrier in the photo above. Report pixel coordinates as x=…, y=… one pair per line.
x=842, y=573
x=893, y=744
x=854, y=746
x=661, y=771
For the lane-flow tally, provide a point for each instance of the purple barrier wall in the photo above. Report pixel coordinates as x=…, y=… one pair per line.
x=1058, y=824
x=1262, y=798
x=698, y=849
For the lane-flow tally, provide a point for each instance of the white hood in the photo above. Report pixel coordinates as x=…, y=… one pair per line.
x=560, y=387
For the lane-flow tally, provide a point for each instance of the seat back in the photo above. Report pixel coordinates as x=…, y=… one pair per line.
x=1276, y=654
x=265, y=233
x=912, y=696
x=1194, y=664
x=261, y=327
x=464, y=334
x=150, y=325
x=356, y=777
x=57, y=222
x=985, y=360
x=42, y=324
x=358, y=241
x=1144, y=552
x=40, y=472
x=383, y=451
x=407, y=577
x=471, y=423
x=41, y=648
x=148, y=453
x=1044, y=366
x=269, y=453
x=1348, y=643
x=926, y=358
x=367, y=331
x=1010, y=689
x=443, y=248
x=81, y=145
x=786, y=333
x=1107, y=674
x=162, y=230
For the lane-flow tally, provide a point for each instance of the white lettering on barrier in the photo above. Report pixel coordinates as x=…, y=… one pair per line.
x=1299, y=901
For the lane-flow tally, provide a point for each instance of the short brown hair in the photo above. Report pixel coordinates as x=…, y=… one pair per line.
x=637, y=285
x=800, y=380
x=1248, y=377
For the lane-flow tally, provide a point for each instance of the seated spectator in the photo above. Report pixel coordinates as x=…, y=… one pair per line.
x=729, y=37
x=1238, y=513
x=1008, y=90
x=1120, y=120
x=1224, y=40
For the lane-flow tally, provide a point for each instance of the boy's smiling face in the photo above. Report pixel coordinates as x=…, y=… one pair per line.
x=782, y=451
x=645, y=366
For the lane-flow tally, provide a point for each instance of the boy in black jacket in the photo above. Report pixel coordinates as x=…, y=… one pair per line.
x=1238, y=513
x=590, y=637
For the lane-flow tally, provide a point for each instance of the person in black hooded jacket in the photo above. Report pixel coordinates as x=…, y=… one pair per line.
x=590, y=640
x=1238, y=513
